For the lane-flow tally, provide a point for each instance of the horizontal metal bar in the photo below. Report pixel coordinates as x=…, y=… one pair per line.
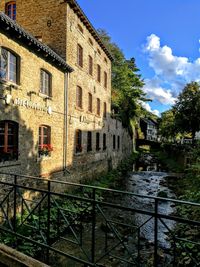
x=121, y=259
x=123, y=224
x=102, y=189
x=186, y=241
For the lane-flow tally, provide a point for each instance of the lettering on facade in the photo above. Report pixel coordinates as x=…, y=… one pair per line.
x=32, y=105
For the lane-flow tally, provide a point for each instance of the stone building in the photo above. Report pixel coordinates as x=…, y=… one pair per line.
x=32, y=102
x=94, y=141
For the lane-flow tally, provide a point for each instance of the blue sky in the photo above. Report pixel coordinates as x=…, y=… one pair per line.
x=162, y=35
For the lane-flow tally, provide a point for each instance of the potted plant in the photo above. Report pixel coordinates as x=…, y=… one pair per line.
x=45, y=150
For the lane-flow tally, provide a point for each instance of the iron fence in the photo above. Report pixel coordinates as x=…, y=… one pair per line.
x=92, y=226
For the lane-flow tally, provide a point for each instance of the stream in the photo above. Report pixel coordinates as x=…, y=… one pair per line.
x=151, y=183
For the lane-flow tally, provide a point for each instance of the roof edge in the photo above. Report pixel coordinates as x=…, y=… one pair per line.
x=78, y=10
x=10, y=25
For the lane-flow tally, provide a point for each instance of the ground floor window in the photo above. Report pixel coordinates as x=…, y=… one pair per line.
x=8, y=141
x=89, y=141
x=45, y=146
x=104, y=141
x=78, y=141
x=98, y=141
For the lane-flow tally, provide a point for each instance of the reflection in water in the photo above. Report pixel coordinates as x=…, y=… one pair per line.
x=151, y=184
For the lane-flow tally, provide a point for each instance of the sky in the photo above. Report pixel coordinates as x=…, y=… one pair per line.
x=162, y=35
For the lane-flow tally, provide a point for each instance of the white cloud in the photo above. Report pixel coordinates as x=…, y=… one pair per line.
x=171, y=72
x=153, y=89
x=148, y=108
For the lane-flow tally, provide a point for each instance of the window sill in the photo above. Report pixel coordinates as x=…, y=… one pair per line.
x=9, y=85
x=44, y=96
x=90, y=112
x=79, y=109
x=10, y=163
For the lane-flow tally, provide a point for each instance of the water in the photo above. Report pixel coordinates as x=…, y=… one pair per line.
x=150, y=183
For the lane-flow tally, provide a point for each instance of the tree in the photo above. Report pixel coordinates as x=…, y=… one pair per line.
x=167, y=125
x=126, y=83
x=187, y=109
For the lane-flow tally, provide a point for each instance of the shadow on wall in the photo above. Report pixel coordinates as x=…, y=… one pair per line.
x=17, y=151
x=95, y=146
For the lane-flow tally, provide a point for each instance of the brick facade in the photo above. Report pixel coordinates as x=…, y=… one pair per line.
x=63, y=26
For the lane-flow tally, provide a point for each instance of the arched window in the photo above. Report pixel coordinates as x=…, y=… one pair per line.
x=105, y=79
x=9, y=65
x=45, y=146
x=79, y=95
x=98, y=73
x=45, y=82
x=11, y=10
x=104, y=109
x=8, y=140
x=90, y=59
x=80, y=55
x=98, y=106
x=89, y=102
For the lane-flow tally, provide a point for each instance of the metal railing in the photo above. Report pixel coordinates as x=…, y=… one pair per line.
x=93, y=226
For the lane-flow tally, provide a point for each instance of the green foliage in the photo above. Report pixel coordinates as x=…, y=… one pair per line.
x=168, y=158
x=126, y=83
x=187, y=109
x=167, y=125
x=73, y=208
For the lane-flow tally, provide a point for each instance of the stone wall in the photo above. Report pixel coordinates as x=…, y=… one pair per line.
x=62, y=28
x=30, y=118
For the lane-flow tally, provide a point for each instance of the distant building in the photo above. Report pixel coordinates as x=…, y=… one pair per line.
x=149, y=128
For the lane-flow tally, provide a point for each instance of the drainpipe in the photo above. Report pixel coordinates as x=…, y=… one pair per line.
x=65, y=132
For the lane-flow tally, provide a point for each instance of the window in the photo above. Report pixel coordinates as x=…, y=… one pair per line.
x=104, y=141
x=89, y=141
x=90, y=65
x=80, y=28
x=79, y=96
x=114, y=142
x=45, y=83
x=105, y=79
x=11, y=10
x=45, y=147
x=78, y=141
x=98, y=106
x=89, y=102
x=80, y=55
x=98, y=73
x=99, y=52
x=90, y=41
x=8, y=141
x=105, y=60
x=118, y=142
x=9, y=66
x=104, y=109
x=97, y=141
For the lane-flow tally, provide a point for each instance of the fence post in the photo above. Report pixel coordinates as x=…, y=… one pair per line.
x=156, y=234
x=93, y=225
x=15, y=205
x=48, y=218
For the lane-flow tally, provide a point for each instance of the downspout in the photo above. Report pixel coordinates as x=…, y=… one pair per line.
x=65, y=131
